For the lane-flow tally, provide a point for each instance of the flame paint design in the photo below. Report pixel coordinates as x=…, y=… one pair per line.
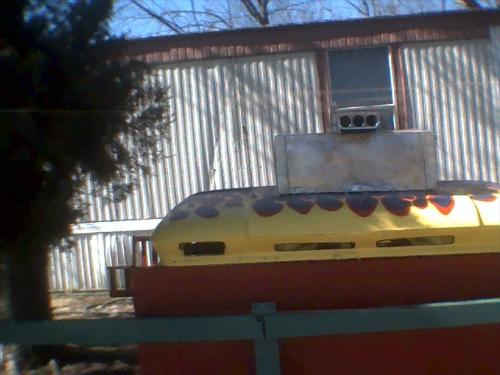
x=329, y=203
x=361, y=204
x=444, y=203
x=207, y=212
x=178, y=214
x=301, y=205
x=396, y=205
x=266, y=203
x=488, y=197
x=267, y=207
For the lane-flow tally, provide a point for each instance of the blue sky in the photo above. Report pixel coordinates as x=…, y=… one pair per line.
x=131, y=22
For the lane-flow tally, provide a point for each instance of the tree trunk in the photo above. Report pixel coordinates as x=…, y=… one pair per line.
x=28, y=285
x=4, y=288
x=28, y=298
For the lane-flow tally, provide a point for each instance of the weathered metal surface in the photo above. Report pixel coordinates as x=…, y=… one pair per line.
x=380, y=161
x=227, y=113
x=495, y=53
x=453, y=90
x=300, y=286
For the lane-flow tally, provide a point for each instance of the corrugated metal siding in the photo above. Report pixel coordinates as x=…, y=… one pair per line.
x=226, y=115
x=495, y=46
x=83, y=267
x=453, y=89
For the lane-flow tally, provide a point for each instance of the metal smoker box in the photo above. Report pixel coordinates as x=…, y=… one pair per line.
x=379, y=161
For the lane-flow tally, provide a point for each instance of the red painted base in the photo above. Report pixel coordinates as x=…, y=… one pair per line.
x=209, y=290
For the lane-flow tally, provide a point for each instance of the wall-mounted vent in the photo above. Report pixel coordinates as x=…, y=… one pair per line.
x=358, y=121
x=203, y=248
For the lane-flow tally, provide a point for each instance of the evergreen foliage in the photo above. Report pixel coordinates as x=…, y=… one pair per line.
x=70, y=102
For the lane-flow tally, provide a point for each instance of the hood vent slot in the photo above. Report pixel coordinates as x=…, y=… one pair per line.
x=313, y=246
x=417, y=241
x=203, y=248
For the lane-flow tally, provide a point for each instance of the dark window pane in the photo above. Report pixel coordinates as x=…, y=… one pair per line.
x=360, y=77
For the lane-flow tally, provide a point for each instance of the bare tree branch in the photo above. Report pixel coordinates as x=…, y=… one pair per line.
x=260, y=13
x=195, y=14
x=362, y=9
x=470, y=4
x=210, y=14
x=175, y=28
x=187, y=15
x=264, y=12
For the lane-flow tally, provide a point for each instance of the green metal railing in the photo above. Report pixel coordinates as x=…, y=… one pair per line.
x=264, y=326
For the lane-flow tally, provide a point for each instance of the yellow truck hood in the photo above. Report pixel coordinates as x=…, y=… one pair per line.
x=259, y=225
